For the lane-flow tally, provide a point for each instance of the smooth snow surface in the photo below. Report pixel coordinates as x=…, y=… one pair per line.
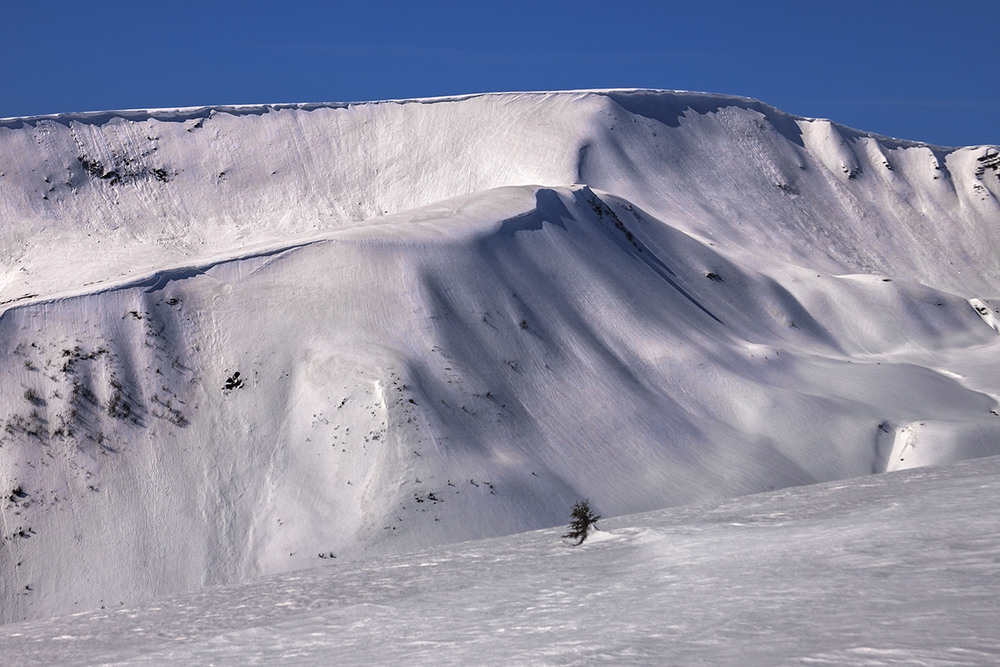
x=889, y=569
x=242, y=341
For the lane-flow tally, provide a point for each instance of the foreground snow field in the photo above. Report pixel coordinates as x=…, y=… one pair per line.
x=242, y=341
x=898, y=568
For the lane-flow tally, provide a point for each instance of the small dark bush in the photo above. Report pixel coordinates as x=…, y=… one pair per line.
x=234, y=381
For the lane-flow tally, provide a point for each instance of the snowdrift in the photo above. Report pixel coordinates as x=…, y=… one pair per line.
x=238, y=341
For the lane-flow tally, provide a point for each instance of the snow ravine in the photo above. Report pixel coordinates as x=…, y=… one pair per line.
x=242, y=341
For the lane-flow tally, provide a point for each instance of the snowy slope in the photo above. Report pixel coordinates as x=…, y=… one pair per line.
x=240, y=341
x=128, y=192
x=888, y=569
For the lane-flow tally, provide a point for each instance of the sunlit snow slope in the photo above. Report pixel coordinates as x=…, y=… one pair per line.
x=894, y=569
x=237, y=341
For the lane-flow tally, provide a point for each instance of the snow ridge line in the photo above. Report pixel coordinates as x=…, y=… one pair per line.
x=154, y=281
x=183, y=114
x=180, y=114
x=158, y=279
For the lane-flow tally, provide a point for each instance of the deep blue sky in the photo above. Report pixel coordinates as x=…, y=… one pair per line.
x=915, y=69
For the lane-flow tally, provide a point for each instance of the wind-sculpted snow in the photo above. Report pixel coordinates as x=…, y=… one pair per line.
x=246, y=340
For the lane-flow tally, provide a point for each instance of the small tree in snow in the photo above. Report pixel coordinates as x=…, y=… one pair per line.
x=581, y=520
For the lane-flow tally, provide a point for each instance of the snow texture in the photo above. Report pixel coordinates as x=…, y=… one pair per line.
x=241, y=341
x=888, y=569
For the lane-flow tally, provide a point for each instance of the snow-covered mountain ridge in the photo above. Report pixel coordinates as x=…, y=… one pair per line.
x=128, y=191
x=240, y=340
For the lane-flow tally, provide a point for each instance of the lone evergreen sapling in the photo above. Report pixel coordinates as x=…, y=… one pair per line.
x=581, y=519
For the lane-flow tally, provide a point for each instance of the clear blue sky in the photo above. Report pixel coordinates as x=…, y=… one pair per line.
x=914, y=69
